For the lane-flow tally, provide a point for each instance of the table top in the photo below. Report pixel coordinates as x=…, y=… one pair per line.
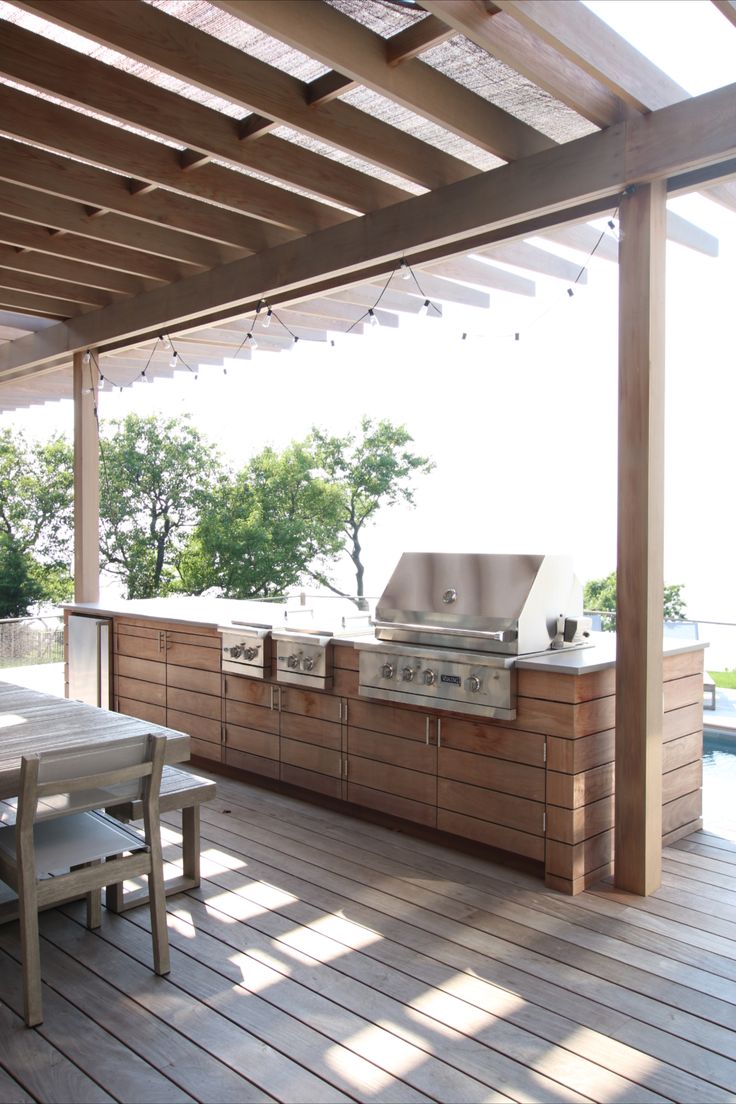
x=31, y=721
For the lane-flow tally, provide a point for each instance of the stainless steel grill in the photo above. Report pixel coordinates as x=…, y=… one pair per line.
x=450, y=627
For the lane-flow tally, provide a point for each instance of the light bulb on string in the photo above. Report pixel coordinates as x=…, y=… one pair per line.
x=86, y=358
x=424, y=309
x=251, y=341
x=405, y=270
x=267, y=320
x=174, y=362
x=372, y=318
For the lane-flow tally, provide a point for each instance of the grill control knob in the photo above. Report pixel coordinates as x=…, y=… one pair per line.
x=236, y=651
x=387, y=671
x=473, y=684
x=292, y=661
x=251, y=653
x=308, y=663
x=407, y=674
x=429, y=678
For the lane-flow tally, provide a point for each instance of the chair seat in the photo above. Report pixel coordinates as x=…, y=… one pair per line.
x=74, y=840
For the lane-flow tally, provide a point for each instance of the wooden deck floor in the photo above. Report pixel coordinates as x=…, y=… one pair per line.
x=326, y=959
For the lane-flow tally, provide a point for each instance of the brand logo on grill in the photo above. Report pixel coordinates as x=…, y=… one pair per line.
x=454, y=679
x=449, y=596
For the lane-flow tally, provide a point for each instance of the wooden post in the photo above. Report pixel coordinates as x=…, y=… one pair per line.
x=86, y=482
x=639, y=612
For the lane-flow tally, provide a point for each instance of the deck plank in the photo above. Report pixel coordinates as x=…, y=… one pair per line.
x=69, y=949
x=522, y=961
x=332, y=959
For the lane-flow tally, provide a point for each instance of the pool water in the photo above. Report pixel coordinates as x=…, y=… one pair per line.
x=719, y=782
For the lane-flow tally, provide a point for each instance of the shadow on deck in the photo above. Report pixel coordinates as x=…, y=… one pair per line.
x=327, y=959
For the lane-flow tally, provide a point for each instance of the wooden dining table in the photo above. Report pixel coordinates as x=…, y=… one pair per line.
x=32, y=721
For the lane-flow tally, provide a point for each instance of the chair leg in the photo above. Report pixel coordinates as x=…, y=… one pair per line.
x=157, y=907
x=94, y=904
x=31, y=955
x=190, y=840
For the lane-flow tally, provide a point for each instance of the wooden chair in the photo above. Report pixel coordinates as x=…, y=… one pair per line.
x=62, y=848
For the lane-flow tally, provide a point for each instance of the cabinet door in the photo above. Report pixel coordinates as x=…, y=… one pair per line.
x=251, y=725
x=392, y=761
x=312, y=740
x=200, y=651
x=139, y=672
x=485, y=793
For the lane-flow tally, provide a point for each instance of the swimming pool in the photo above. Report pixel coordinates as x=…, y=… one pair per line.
x=719, y=782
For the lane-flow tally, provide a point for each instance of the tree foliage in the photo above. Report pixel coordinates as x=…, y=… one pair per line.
x=155, y=477
x=371, y=470
x=36, y=537
x=261, y=530
x=599, y=596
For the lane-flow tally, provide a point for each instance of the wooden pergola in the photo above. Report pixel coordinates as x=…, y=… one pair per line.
x=179, y=165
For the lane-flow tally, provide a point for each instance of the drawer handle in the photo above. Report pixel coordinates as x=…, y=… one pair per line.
x=426, y=731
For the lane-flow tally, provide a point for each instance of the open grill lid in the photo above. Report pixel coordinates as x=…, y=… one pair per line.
x=480, y=601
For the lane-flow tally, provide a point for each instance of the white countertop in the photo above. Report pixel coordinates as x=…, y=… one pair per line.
x=583, y=661
x=222, y=612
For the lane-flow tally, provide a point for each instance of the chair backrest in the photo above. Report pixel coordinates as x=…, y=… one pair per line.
x=89, y=776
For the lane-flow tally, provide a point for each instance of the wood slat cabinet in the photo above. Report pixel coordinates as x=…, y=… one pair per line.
x=392, y=760
x=171, y=677
x=284, y=732
x=250, y=725
x=312, y=740
x=491, y=785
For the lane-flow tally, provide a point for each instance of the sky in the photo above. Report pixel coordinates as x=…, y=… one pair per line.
x=523, y=434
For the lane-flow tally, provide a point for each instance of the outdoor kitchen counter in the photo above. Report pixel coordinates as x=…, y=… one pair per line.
x=600, y=657
x=203, y=612
x=539, y=786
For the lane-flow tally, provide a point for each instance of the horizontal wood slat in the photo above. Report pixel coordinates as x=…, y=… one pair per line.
x=417, y=812
x=487, y=738
x=311, y=757
x=494, y=835
x=499, y=808
x=240, y=738
x=311, y=730
x=190, y=678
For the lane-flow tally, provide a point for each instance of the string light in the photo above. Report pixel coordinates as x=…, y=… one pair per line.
x=404, y=271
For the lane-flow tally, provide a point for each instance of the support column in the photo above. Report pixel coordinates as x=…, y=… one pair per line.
x=639, y=612
x=86, y=482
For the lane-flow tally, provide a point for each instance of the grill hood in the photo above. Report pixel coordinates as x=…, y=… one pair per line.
x=508, y=604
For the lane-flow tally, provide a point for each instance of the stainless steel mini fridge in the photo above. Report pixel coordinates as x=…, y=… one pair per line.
x=89, y=650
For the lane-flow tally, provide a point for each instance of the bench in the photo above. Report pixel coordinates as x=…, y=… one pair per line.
x=179, y=790
x=709, y=687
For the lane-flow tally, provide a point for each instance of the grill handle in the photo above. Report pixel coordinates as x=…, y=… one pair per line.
x=504, y=636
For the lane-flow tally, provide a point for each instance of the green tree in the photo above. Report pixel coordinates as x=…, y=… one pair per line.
x=599, y=596
x=371, y=470
x=262, y=529
x=155, y=476
x=36, y=537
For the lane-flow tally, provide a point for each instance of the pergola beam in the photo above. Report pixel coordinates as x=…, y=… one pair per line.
x=504, y=37
x=173, y=46
x=547, y=185
x=342, y=43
